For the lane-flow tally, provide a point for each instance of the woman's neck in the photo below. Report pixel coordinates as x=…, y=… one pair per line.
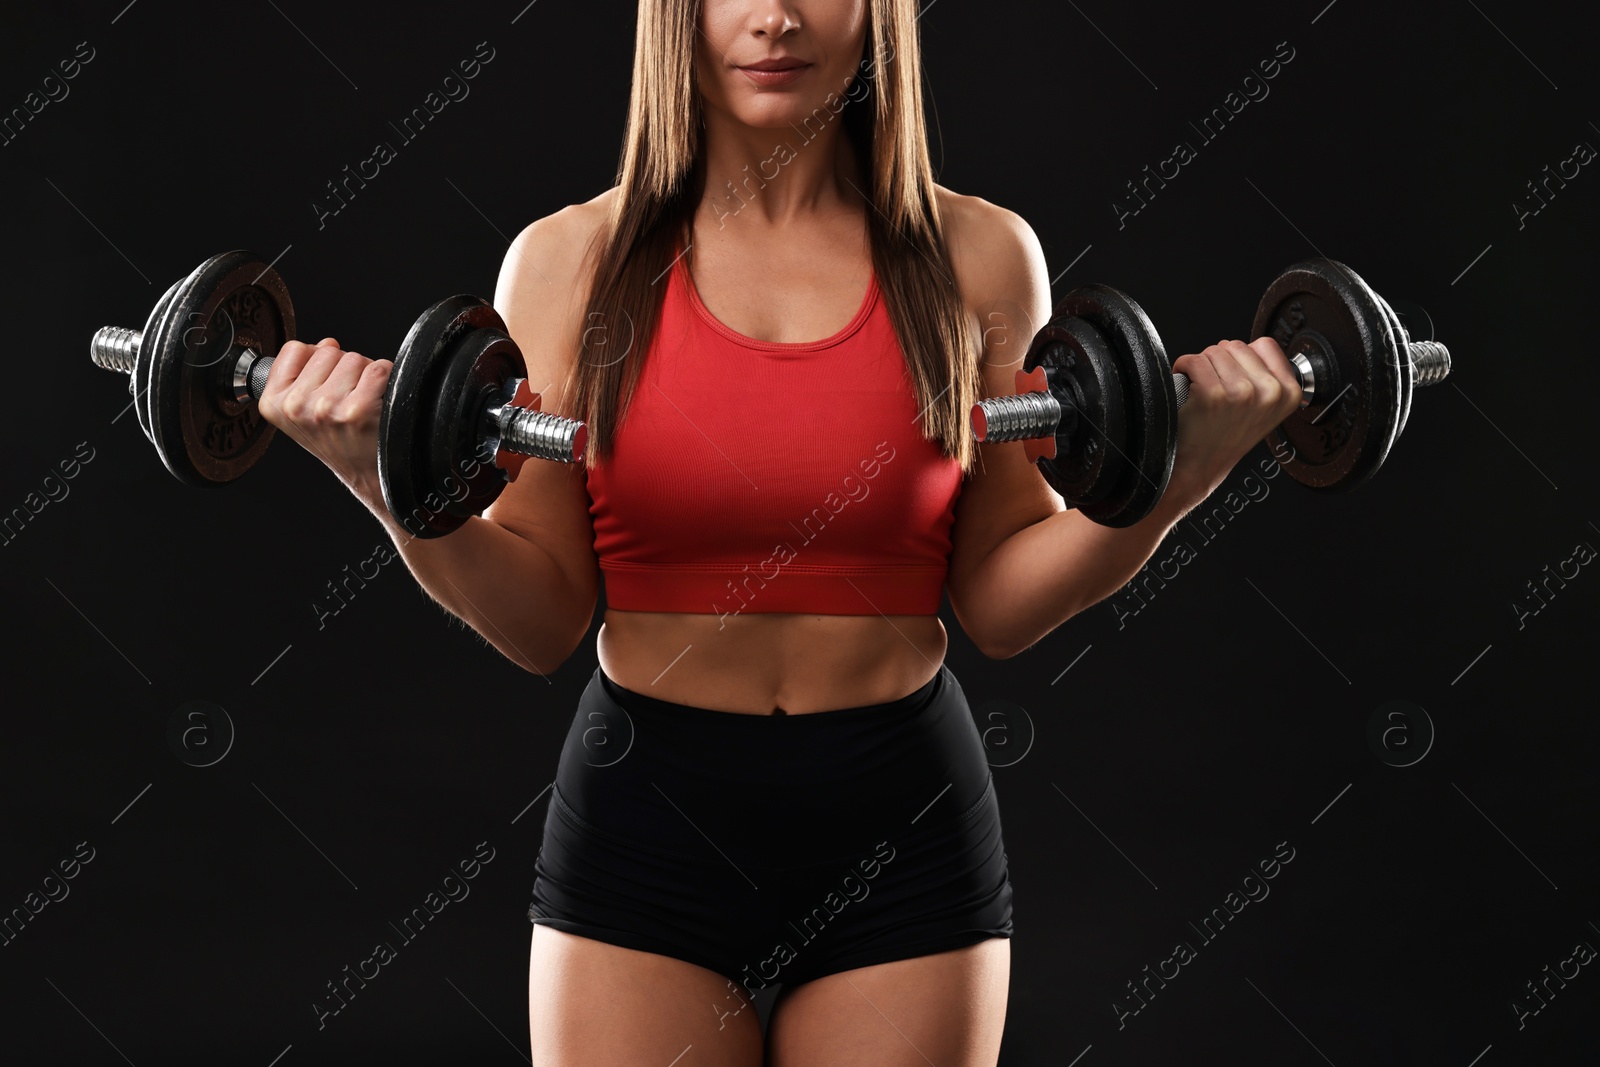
x=774, y=177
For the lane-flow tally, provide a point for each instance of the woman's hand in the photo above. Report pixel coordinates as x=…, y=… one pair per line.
x=329, y=400
x=1238, y=393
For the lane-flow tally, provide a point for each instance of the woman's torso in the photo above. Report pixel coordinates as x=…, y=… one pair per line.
x=792, y=285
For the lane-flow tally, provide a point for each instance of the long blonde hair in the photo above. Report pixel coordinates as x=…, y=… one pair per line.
x=659, y=185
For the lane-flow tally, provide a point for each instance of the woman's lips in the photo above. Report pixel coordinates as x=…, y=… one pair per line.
x=770, y=78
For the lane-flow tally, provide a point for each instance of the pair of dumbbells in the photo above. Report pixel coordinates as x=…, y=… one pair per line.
x=1097, y=402
x=458, y=419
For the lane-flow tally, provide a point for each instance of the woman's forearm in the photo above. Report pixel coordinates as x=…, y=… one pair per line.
x=1044, y=574
x=508, y=589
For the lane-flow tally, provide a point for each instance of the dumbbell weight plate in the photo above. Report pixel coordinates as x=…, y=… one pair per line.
x=1402, y=347
x=475, y=372
x=203, y=435
x=138, y=381
x=1337, y=441
x=1091, y=438
x=1150, y=439
x=421, y=449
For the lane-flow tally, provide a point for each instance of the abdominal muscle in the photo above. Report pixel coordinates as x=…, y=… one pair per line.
x=771, y=663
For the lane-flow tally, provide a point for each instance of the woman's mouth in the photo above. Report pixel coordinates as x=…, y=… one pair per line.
x=774, y=72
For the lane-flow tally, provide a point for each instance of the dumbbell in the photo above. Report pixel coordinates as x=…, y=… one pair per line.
x=1097, y=402
x=458, y=417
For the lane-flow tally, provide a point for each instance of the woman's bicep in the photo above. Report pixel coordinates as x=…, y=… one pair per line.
x=539, y=287
x=1002, y=273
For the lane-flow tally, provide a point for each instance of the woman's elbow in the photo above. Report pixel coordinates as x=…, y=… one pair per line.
x=997, y=646
x=989, y=639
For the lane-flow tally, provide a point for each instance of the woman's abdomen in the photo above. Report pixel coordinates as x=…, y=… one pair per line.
x=757, y=662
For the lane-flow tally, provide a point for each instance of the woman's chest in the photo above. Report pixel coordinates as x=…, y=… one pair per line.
x=778, y=291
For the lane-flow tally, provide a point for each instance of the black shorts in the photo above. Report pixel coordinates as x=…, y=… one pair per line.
x=774, y=848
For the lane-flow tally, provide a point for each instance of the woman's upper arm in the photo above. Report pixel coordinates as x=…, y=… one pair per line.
x=542, y=281
x=1000, y=271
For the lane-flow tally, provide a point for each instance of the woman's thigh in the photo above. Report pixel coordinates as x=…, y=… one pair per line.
x=592, y=1002
x=948, y=1008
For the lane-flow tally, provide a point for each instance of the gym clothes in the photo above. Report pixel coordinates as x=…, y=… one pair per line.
x=774, y=848
x=769, y=476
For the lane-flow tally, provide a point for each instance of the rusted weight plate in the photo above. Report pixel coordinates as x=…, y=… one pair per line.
x=1321, y=308
x=184, y=371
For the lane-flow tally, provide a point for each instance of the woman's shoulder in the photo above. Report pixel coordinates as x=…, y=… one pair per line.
x=983, y=236
x=543, y=280
x=563, y=239
x=993, y=251
x=549, y=262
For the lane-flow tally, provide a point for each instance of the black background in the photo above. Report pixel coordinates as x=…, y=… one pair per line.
x=1229, y=715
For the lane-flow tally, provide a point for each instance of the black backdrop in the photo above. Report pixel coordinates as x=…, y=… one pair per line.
x=1147, y=763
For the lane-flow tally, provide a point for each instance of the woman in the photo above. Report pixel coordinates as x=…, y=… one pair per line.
x=770, y=777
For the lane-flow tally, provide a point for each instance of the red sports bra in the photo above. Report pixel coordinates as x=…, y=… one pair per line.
x=764, y=476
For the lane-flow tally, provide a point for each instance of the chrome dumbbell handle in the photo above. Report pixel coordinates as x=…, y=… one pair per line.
x=510, y=422
x=1025, y=416
x=1430, y=364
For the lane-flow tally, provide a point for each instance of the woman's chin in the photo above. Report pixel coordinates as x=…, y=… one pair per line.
x=780, y=111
